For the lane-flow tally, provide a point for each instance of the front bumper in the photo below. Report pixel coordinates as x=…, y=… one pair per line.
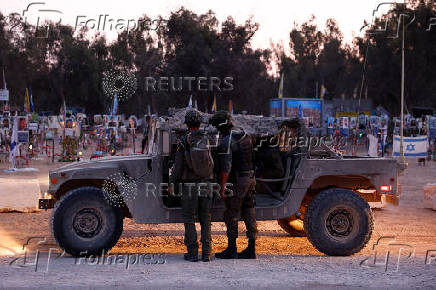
x=46, y=203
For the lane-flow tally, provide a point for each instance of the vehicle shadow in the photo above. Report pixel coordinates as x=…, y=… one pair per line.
x=164, y=233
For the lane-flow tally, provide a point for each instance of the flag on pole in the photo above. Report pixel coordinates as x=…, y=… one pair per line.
x=63, y=112
x=26, y=102
x=214, y=104
x=63, y=109
x=149, y=109
x=413, y=146
x=4, y=80
x=31, y=100
x=230, y=106
x=14, y=142
x=115, y=106
x=323, y=91
x=190, y=102
x=280, y=95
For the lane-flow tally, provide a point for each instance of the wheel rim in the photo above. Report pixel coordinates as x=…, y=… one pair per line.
x=340, y=223
x=87, y=223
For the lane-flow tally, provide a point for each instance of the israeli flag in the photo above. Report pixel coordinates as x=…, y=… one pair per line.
x=190, y=102
x=14, y=142
x=31, y=100
x=115, y=105
x=413, y=146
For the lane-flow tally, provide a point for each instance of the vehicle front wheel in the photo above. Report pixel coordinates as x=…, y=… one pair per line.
x=84, y=223
x=338, y=222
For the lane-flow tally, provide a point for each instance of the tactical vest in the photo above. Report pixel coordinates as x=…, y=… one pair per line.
x=242, y=160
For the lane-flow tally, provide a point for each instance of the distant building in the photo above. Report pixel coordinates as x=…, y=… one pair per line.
x=347, y=107
x=315, y=112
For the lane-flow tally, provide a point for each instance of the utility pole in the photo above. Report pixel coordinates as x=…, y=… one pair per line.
x=402, y=159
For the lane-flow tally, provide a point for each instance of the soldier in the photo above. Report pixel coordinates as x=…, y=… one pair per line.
x=194, y=165
x=147, y=126
x=235, y=155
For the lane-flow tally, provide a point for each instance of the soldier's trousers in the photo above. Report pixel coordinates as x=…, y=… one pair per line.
x=241, y=203
x=197, y=204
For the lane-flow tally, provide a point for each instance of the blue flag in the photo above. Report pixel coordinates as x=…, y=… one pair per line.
x=115, y=105
x=31, y=100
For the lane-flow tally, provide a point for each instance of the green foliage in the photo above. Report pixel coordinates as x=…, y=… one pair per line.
x=384, y=58
x=323, y=57
x=71, y=64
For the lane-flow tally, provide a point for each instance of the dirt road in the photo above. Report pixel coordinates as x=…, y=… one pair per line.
x=154, y=254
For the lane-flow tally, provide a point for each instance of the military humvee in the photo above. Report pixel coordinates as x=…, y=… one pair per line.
x=321, y=194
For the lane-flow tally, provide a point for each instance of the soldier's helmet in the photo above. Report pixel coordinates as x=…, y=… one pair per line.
x=193, y=119
x=221, y=120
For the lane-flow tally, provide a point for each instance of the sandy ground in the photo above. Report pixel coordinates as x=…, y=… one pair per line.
x=154, y=252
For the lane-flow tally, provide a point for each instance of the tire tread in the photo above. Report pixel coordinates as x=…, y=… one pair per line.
x=311, y=228
x=63, y=202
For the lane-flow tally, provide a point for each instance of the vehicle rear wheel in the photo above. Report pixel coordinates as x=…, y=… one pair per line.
x=293, y=226
x=338, y=222
x=84, y=223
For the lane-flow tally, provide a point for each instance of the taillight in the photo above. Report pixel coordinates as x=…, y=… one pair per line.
x=386, y=188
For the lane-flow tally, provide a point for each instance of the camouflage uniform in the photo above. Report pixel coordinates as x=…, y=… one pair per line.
x=195, y=203
x=235, y=154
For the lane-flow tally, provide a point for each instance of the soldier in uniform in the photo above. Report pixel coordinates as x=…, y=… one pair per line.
x=195, y=202
x=235, y=156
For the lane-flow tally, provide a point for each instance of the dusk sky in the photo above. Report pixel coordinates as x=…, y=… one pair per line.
x=276, y=17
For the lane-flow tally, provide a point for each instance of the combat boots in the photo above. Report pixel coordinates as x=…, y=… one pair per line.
x=230, y=252
x=191, y=257
x=205, y=258
x=250, y=251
